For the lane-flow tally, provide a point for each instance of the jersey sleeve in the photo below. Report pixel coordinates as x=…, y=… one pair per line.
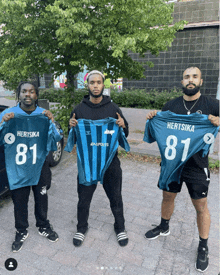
x=148, y=133
x=123, y=141
x=70, y=141
x=53, y=137
x=1, y=132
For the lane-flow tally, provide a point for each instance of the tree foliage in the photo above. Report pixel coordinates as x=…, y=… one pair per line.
x=70, y=34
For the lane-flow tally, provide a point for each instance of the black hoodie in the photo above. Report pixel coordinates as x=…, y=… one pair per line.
x=88, y=110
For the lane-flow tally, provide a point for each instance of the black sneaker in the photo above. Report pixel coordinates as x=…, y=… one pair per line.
x=79, y=238
x=122, y=238
x=49, y=233
x=156, y=232
x=202, y=262
x=19, y=239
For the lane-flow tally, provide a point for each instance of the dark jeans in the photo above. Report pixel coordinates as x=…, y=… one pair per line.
x=20, y=199
x=112, y=184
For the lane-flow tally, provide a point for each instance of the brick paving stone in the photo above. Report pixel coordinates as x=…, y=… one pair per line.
x=130, y=257
x=46, y=264
x=66, y=258
x=111, y=263
x=44, y=250
x=107, y=227
x=136, y=270
x=106, y=218
x=96, y=224
x=90, y=268
x=140, y=221
x=98, y=234
x=110, y=247
x=66, y=270
x=162, y=272
x=150, y=262
x=166, y=260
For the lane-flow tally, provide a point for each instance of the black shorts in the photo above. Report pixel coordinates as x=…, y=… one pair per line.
x=197, y=182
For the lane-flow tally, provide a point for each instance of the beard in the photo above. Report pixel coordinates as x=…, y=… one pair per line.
x=191, y=92
x=96, y=96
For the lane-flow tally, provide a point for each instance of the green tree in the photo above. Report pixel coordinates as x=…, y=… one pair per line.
x=42, y=36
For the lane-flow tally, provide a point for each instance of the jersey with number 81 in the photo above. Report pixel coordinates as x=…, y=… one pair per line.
x=179, y=137
x=27, y=140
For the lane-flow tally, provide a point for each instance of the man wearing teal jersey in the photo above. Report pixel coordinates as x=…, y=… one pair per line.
x=27, y=109
x=195, y=172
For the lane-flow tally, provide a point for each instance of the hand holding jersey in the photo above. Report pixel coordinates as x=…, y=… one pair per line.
x=120, y=121
x=73, y=122
x=48, y=114
x=7, y=117
x=151, y=114
x=214, y=120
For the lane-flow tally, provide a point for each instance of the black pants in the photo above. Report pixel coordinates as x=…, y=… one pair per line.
x=112, y=184
x=20, y=199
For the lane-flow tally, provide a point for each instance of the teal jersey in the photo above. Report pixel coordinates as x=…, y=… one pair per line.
x=27, y=139
x=179, y=137
x=97, y=142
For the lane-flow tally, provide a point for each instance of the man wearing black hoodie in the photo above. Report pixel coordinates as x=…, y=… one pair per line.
x=98, y=106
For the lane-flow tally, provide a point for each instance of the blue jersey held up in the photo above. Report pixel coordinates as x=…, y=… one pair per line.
x=27, y=139
x=97, y=142
x=178, y=137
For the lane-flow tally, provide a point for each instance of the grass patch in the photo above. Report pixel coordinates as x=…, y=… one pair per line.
x=10, y=97
x=138, y=157
x=138, y=132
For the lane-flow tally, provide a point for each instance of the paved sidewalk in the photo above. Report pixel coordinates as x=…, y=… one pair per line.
x=100, y=253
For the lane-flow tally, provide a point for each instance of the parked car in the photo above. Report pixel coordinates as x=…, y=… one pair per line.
x=53, y=158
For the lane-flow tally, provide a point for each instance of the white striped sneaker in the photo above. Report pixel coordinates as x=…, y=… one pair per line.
x=49, y=233
x=122, y=238
x=79, y=238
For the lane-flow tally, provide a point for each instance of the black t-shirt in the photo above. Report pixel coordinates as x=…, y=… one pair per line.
x=204, y=105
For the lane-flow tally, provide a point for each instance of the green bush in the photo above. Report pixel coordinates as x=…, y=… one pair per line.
x=142, y=99
x=58, y=95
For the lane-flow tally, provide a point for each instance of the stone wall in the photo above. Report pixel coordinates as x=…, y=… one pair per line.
x=196, y=45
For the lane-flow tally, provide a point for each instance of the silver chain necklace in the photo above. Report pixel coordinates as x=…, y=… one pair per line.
x=188, y=110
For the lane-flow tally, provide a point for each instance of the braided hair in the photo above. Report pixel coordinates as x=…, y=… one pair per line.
x=18, y=90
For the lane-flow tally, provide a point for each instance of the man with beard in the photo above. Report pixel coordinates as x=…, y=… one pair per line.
x=96, y=106
x=195, y=172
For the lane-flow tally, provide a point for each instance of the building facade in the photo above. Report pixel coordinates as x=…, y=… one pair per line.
x=196, y=45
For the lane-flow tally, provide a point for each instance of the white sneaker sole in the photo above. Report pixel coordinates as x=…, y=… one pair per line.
x=161, y=234
x=200, y=269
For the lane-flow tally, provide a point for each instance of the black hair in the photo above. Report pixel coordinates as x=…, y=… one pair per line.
x=18, y=90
